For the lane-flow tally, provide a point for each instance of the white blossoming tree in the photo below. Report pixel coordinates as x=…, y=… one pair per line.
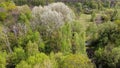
x=51, y=17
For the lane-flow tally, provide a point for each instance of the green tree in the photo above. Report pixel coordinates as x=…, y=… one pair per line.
x=23, y=64
x=108, y=32
x=32, y=48
x=108, y=56
x=76, y=61
x=18, y=55
x=66, y=36
x=3, y=62
x=39, y=60
x=78, y=37
x=4, y=39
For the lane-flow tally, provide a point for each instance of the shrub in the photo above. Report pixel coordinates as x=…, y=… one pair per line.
x=76, y=61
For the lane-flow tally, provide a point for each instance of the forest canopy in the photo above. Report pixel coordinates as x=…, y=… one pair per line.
x=59, y=34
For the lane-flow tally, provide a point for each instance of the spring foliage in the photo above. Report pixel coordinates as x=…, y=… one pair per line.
x=50, y=36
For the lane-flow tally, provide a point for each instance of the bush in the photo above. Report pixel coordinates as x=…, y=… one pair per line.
x=76, y=61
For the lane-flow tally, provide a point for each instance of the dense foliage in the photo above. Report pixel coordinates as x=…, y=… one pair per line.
x=73, y=34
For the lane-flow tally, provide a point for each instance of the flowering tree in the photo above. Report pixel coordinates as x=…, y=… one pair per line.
x=52, y=16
